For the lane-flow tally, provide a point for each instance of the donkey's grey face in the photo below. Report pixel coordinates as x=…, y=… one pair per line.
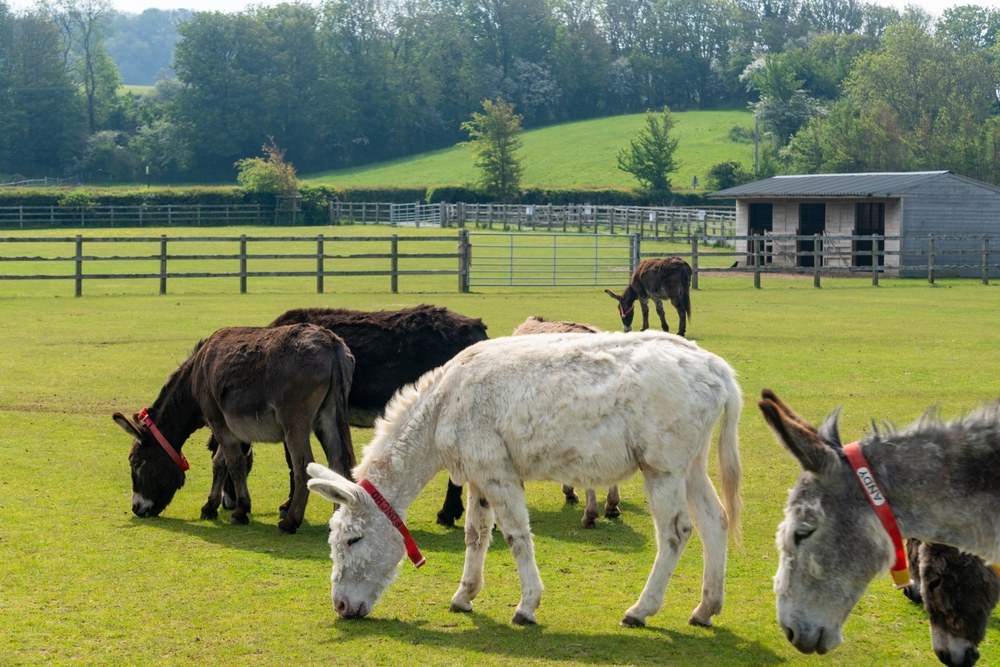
x=830, y=546
x=366, y=550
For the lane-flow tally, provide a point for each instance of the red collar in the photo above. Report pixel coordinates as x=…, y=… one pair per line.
x=177, y=457
x=411, y=547
x=900, y=573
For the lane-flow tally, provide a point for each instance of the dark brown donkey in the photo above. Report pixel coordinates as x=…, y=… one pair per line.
x=247, y=384
x=657, y=279
x=392, y=348
x=959, y=592
x=539, y=325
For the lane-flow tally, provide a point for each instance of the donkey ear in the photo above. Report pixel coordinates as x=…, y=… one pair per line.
x=330, y=485
x=127, y=425
x=612, y=295
x=796, y=435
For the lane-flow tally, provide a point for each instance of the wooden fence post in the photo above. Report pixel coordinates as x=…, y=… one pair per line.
x=758, y=258
x=319, y=264
x=243, y=263
x=875, y=256
x=394, y=262
x=464, y=260
x=163, y=264
x=817, y=258
x=79, y=265
x=986, y=260
x=930, y=259
x=694, y=262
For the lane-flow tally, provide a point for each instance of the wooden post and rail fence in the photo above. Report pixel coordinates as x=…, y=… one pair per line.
x=469, y=259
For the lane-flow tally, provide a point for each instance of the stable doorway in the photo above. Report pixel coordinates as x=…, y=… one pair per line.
x=812, y=221
x=869, y=219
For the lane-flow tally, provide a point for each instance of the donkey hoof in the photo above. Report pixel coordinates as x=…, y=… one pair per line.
x=521, y=618
x=633, y=622
x=589, y=521
x=445, y=520
x=460, y=609
x=701, y=623
x=209, y=514
x=288, y=526
x=612, y=512
x=239, y=518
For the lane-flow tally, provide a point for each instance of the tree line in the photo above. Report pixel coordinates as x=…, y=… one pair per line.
x=835, y=85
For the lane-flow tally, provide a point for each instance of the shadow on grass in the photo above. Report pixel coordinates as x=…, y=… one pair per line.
x=635, y=646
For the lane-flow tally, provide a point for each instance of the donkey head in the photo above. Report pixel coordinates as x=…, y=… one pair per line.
x=364, y=546
x=626, y=306
x=830, y=543
x=155, y=476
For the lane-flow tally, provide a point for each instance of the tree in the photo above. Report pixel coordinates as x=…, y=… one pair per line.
x=493, y=135
x=650, y=155
x=84, y=24
x=268, y=174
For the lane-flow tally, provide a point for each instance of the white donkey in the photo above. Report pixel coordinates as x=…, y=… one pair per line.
x=583, y=409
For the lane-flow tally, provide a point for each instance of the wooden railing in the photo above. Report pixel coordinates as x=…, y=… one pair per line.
x=242, y=258
x=480, y=259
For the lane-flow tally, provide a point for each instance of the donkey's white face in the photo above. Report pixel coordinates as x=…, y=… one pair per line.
x=364, y=546
x=830, y=546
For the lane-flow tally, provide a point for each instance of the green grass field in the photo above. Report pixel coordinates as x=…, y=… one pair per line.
x=570, y=155
x=84, y=582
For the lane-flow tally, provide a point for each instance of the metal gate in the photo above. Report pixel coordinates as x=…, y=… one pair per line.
x=416, y=215
x=566, y=260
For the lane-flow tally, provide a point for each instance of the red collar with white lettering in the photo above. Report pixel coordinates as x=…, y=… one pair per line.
x=411, y=547
x=177, y=457
x=863, y=472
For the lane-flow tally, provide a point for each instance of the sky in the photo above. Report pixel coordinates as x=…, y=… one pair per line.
x=934, y=7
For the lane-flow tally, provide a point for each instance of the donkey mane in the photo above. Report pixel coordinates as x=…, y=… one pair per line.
x=930, y=425
x=398, y=419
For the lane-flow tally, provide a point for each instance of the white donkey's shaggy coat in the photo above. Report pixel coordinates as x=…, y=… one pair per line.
x=582, y=409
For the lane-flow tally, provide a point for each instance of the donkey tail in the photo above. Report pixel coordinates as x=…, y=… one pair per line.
x=729, y=460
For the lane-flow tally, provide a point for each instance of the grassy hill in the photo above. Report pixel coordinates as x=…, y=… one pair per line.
x=572, y=155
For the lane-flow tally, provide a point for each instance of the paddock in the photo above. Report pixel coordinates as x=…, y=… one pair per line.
x=86, y=582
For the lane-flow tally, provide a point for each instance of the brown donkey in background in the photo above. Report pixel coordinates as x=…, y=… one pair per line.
x=657, y=279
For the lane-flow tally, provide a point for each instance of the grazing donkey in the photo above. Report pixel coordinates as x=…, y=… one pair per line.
x=537, y=325
x=933, y=481
x=391, y=348
x=959, y=592
x=588, y=409
x=657, y=279
x=247, y=384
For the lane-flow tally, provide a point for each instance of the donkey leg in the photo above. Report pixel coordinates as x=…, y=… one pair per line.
x=590, y=510
x=571, y=497
x=662, y=314
x=644, y=306
x=710, y=519
x=452, y=508
x=682, y=317
x=478, y=535
x=220, y=477
x=511, y=508
x=231, y=449
x=228, y=490
x=283, y=507
x=665, y=494
x=611, y=509
x=300, y=455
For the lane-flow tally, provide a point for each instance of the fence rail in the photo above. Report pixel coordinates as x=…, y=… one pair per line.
x=80, y=259
x=146, y=215
x=481, y=259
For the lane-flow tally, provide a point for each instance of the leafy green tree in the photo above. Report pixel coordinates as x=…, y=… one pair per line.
x=84, y=24
x=42, y=124
x=495, y=142
x=269, y=173
x=650, y=155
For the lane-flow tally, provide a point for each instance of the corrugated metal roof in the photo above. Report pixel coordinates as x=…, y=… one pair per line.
x=835, y=185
